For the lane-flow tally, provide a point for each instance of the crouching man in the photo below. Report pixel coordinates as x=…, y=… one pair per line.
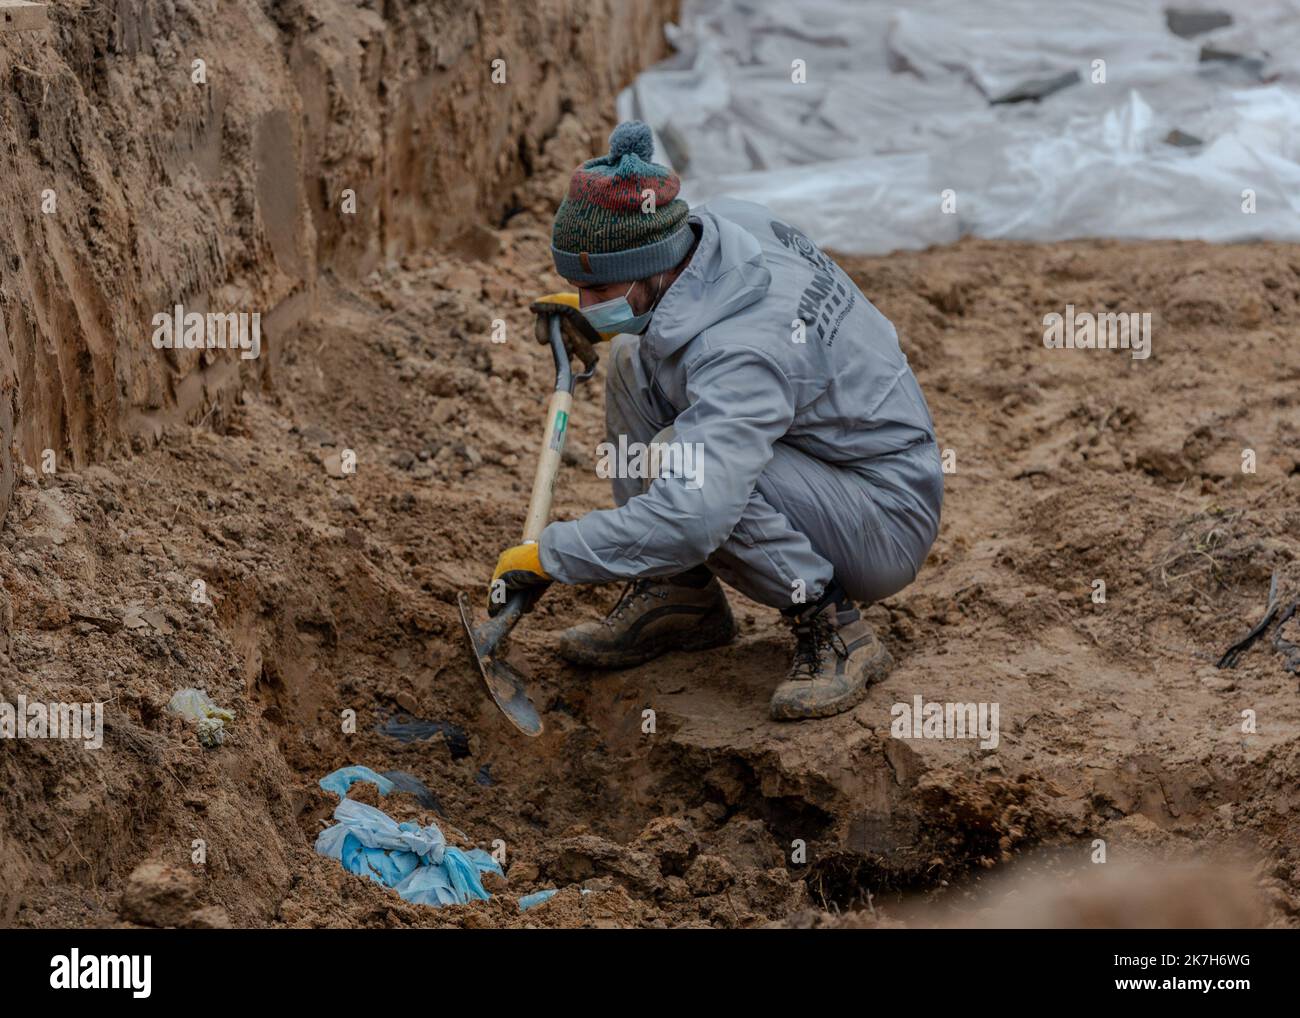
x=796, y=455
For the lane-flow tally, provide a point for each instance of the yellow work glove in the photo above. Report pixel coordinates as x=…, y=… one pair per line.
x=579, y=336
x=518, y=568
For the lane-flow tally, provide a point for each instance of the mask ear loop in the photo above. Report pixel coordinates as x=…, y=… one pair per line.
x=659, y=295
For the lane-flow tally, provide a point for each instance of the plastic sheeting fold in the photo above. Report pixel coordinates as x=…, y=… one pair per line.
x=896, y=115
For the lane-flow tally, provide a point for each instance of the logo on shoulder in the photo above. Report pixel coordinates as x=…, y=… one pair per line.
x=830, y=296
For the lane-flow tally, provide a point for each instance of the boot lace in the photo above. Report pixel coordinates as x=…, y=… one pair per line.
x=636, y=591
x=814, y=638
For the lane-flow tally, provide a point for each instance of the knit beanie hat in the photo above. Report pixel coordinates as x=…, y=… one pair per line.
x=601, y=235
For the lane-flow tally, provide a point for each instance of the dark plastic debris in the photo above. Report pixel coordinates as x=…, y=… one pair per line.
x=409, y=783
x=1290, y=652
x=484, y=776
x=1181, y=139
x=405, y=728
x=1037, y=88
x=1187, y=22
x=1249, y=64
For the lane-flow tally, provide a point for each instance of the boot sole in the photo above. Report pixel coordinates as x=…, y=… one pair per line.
x=876, y=670
x=717, y=632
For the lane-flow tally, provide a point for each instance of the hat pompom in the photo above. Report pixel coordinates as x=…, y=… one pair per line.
x=632, y=136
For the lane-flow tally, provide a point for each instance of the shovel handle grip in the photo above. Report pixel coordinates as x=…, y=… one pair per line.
x=557, y=429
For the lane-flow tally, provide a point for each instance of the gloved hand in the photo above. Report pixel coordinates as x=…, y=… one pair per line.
x=518, y=568
x=579, y=336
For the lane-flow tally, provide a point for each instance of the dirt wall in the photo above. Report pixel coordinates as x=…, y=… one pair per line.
x=221, y=154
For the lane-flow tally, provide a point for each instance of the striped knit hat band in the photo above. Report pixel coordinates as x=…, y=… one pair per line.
x=621, y=220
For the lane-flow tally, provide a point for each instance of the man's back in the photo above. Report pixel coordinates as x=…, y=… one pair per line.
x=764, y=286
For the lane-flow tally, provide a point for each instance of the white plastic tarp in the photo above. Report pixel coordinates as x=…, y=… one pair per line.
x=896, y=110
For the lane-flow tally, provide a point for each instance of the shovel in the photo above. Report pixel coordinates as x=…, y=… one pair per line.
x=489, y=640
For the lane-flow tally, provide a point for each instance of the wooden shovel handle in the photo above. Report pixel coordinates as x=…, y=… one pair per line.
x=557, y=429
x=548, y=464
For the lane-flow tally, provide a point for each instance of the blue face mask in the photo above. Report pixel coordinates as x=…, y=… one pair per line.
x=616, y=315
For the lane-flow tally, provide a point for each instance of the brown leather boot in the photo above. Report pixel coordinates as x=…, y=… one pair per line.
x=652, y=617
x=837, y=658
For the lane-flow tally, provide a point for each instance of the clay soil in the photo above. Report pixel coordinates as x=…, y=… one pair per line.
x=334, y=593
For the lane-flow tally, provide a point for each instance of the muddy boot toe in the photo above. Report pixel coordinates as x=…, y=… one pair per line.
x=837, y=658
x=652, y=618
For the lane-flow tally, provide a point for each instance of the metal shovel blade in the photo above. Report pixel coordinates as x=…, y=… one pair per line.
x=504, y=683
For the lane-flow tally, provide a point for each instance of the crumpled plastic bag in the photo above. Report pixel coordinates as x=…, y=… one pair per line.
x=341, y=780
x=210, y=720
x=414, y=861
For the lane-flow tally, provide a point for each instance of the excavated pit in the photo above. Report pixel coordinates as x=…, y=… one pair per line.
x=329, y=622
x=337, y=593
